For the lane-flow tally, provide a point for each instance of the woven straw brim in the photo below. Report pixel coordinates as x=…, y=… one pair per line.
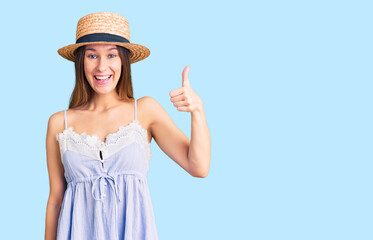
x=137, y=51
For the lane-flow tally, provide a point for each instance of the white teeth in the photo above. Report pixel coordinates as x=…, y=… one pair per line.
x=102, y=78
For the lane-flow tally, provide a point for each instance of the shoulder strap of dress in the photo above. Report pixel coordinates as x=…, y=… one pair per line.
x=65, y=120
x=135, y=109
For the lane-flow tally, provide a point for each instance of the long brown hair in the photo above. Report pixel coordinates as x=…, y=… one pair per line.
x=83, y=92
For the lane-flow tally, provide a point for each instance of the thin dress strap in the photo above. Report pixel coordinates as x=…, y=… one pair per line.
x=135, y=110
x=65, y=120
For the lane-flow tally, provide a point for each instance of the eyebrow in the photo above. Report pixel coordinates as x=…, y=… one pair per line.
x=92, y=49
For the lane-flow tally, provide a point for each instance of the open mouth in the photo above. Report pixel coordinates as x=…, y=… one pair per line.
x=102, y=78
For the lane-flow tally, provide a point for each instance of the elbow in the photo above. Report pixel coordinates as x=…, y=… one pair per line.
x=200, y=170
x=204, y=175
x=201, y=174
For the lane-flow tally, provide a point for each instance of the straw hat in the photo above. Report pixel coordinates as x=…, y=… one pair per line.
x=104, y=28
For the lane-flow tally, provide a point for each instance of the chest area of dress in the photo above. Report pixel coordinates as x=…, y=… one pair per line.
x=86, y=155
x=132, y=137
x=128, y=159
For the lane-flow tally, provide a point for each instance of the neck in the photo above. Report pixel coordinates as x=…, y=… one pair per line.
x=104, y=102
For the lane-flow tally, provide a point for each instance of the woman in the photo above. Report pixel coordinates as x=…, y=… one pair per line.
x=98, y=150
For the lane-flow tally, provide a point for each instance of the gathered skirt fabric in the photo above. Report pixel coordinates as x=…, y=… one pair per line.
x=83, y=217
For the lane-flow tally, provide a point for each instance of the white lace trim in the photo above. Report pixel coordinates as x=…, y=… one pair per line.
x=90, y=145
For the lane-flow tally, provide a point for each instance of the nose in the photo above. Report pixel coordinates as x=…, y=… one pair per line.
x=102, y=65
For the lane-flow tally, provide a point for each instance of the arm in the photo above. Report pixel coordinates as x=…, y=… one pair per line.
x=192, y=155
x=199, y=153
x=57, y=182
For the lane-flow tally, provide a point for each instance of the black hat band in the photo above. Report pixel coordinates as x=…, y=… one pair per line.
x=102, y=37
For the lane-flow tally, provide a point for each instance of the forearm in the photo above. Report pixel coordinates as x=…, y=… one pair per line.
x=199, y=153
x=51, y=220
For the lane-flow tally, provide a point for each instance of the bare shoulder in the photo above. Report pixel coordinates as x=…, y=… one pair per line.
x=56, y=123
x=147, y=103
x=150, y=109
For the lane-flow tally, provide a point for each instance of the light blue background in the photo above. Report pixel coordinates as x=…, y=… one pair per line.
x=287, y=92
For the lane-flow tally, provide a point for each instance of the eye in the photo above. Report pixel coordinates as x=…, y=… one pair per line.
x=91, y=56
x=112, y=55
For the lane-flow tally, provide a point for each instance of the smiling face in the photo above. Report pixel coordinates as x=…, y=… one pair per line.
x=102, y=67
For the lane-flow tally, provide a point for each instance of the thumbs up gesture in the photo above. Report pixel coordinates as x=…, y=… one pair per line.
x=184, y=98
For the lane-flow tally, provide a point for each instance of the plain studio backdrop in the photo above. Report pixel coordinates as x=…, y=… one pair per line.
x=287, y=92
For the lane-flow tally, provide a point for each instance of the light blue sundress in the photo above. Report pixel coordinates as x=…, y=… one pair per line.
x=107, y=195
